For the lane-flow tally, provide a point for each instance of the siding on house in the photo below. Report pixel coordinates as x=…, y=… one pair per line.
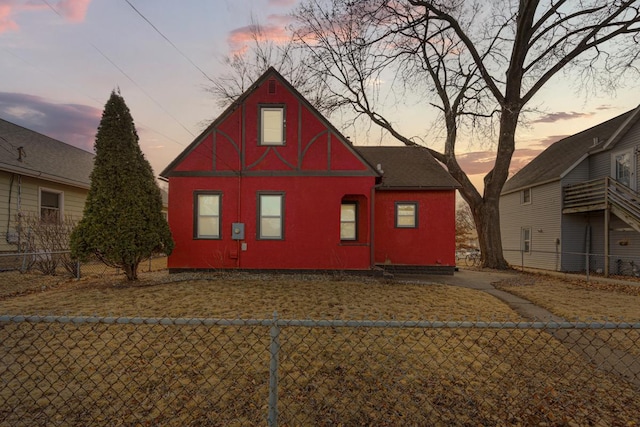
x=574, y=226
x=311, y=233
x=25, y=194
x=582, y=157
x=542, y=217
x=430, y=243
x=328, y=189
x=600, y=162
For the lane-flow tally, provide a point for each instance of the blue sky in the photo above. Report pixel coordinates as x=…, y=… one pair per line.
x=60, y=60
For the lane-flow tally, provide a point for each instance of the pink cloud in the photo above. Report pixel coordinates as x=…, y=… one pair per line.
x=275, y=30
x=239, y=38
x=282, y=3
x=72, y=10
x=555, y=117
x=6, y=23
x=481, y=162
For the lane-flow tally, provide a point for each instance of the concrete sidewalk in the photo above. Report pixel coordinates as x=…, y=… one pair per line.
x=591, y=348
x=481, y=280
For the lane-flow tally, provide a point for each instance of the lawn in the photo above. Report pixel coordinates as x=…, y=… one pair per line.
x=578, y=299
x=67, y=374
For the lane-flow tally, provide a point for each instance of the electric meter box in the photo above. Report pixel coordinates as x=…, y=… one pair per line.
x=237, y=231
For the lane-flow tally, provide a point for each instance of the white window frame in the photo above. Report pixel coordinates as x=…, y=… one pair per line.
x=264, y=216
x=525, y=240
x=523, y=197
x=264, y=136
x=630, y=152
x=198, y=216
x=60, y=208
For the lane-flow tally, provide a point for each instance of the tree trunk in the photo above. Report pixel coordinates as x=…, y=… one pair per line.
x=487, y=219
x=131, y=270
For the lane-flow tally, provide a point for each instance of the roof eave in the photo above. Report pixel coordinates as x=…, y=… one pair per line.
x=622, y=130
x=44, y=176
x=417, y=188
x=523, y=187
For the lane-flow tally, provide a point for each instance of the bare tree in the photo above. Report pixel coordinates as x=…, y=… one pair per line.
x=46, y=240
x=246, y=65
x=479, y=63
x=465, y=227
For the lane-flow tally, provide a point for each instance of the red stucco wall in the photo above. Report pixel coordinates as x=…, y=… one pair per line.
x=316, y=169
x=311, y=224
x=432, y=243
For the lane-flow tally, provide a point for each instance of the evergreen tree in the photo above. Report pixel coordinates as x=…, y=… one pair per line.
x=122, y=222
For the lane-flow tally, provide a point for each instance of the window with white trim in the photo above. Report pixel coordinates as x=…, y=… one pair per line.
x=271, y=125
x=50, y=206
x=525, y=238
x=526, y=196
x=271, y=216
x=207, y=215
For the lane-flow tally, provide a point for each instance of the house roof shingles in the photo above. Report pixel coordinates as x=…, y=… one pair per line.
x=559, y=157
x=43, y=157
x=408, y=168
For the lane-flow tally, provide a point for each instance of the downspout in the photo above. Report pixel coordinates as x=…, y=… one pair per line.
x=372, y=230
x=238, y=242
x=606, y=227
x=9, y=207
x=240, y=169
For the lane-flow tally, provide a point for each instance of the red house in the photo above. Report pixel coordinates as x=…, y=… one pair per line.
x=272, y=185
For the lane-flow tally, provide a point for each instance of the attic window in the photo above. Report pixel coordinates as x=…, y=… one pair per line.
x=526, y=196
x=272, y=86
x=271, y=125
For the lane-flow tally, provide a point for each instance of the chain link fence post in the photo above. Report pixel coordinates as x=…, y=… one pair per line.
x=274, y=350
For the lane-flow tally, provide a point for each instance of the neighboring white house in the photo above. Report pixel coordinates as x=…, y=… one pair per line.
x=578, y=196
x=38, y=175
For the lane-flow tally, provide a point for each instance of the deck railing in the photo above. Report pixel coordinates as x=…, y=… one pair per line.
x=603, y=193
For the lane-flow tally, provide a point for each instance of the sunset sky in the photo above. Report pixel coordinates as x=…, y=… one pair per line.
x=60, y=60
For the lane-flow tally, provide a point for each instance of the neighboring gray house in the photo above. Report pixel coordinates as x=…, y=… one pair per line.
x=38, y=175
x=580, y=195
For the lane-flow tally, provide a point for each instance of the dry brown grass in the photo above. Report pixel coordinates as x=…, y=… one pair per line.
x=579, y=299
x=251, y=296
x=158, y=375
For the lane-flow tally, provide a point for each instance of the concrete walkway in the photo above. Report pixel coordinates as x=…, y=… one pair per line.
x=483, y=281
x=591, y=348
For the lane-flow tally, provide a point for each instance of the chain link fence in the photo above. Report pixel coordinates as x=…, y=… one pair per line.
x=619, y=265
x=61, y=264
x=73, y=371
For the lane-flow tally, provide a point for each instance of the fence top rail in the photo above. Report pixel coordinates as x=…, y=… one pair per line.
x=316, y=323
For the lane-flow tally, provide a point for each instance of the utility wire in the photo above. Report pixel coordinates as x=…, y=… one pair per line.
x=141, y=89
x=127, y=76
x=169, y=41
x=52, y=8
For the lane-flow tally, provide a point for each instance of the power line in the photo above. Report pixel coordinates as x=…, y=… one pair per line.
x=141, y=89
x=127, y=76
x=52, y=8
x=169, y=41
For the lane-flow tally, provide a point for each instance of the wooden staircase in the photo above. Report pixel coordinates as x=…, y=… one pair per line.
x=601, y=194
